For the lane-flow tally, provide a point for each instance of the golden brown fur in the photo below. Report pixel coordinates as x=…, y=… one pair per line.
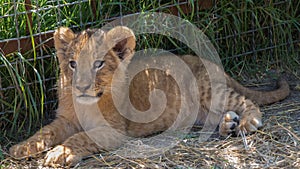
x=98, y=54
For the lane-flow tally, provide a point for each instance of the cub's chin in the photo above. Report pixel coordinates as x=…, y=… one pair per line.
x=86, y=99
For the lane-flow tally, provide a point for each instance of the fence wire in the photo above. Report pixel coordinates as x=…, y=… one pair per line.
x=28, y=63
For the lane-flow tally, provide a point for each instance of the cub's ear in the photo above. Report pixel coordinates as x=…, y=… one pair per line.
x=62, y=37
x=121, y=40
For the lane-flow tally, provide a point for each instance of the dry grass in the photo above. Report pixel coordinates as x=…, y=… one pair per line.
x=274, y=146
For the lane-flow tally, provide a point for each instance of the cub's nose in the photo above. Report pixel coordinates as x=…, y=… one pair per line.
x=83, y=88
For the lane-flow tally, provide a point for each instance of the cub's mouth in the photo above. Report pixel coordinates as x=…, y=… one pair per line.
x=99, y=94
x=88, y=99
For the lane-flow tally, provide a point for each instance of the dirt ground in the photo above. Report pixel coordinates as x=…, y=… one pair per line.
x=276, y=145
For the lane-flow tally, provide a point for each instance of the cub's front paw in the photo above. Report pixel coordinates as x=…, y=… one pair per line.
x=26, y=148
x=61, y=156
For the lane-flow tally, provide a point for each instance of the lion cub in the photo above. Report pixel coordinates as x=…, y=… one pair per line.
x=90, y=60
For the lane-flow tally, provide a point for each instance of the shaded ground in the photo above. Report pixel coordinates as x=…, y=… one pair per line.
x=277, y=145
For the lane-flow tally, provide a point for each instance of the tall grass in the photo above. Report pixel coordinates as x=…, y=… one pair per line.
x=23, y=94
x=250, y=38
x=268, y=46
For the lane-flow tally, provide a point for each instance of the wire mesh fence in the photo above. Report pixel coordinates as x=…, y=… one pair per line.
x=248, y=36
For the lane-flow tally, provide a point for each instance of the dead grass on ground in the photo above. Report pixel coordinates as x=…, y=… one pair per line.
x=274, y=146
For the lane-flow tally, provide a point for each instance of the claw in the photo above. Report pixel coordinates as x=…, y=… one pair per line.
x=237, y=120
x=232, y=126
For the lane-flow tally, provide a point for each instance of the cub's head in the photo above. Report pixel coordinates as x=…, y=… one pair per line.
x=88, y=59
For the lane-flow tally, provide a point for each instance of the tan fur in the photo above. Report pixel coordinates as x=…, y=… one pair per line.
x=117, y=45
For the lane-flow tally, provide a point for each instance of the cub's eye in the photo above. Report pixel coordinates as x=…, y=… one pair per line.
x=98, y=64
x=73, y=64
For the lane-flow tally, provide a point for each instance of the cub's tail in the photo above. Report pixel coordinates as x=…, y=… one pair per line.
x=262, y=97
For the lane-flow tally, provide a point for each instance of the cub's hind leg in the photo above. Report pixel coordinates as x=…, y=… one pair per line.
x=241, y=114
